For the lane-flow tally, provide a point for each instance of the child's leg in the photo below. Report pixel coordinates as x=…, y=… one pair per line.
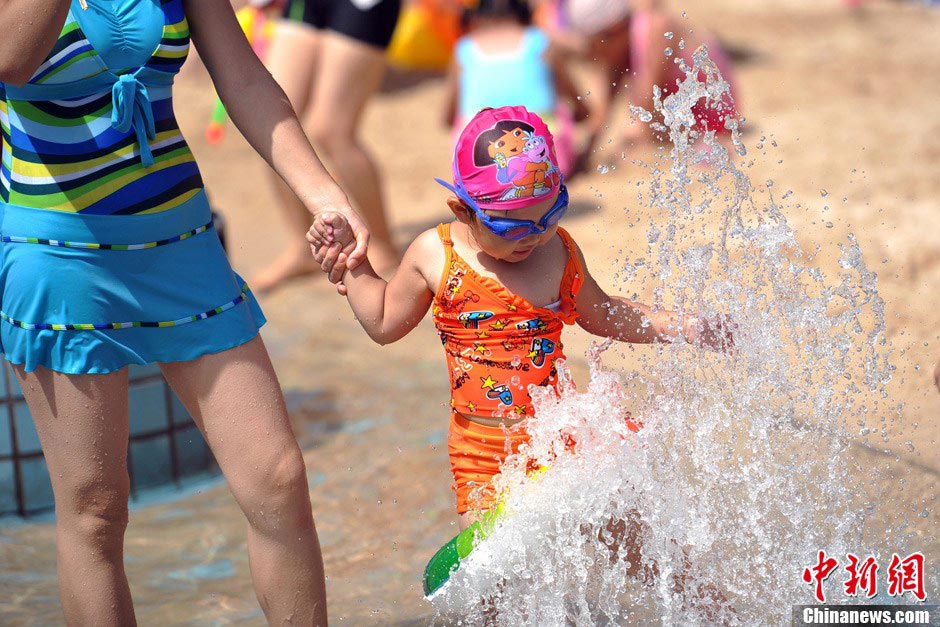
x=83, y=426
x=696, y=592
x=235, y=399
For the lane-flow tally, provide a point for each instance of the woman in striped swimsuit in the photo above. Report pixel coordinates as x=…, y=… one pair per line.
x=109, y=258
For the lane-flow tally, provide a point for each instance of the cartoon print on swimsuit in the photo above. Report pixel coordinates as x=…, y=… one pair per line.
x=472, y=319
x=534, y=324
x=521, y=158
x=498, y=325
x=541, y=346
x=451, y=291
x=494, y=391
x=511, y=345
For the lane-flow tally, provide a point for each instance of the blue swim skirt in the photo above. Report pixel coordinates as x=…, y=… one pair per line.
x=90, y=294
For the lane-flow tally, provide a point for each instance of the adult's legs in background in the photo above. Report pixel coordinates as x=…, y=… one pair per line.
x=339, y=75
x=292, y=59
x=350, y=73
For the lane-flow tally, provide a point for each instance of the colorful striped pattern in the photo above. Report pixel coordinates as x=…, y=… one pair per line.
x=65, y=155
x=14, y=239
x=49, y=326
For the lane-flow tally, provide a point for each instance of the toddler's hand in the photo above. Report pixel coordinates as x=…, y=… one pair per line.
x=715, y=333
x=331, y=241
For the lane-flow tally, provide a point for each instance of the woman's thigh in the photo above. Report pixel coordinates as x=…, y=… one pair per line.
x=292, y=60
x=82, y=423
x=349, y=74
x=236, y=400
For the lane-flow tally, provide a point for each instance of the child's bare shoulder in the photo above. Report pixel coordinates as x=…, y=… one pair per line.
x=426, y=254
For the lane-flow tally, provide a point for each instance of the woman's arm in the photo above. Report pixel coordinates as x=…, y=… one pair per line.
x=261, y=111
x=651, y=65
x=29, y=30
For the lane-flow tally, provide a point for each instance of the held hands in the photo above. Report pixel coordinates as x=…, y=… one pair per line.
x=715, y=333
x=335, y=245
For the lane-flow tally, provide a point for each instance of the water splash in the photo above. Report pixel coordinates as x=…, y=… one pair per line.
x=746, y=465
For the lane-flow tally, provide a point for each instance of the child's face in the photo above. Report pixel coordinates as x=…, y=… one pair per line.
x=513, y=251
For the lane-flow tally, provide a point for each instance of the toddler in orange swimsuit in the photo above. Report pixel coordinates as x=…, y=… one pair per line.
x=502, y=281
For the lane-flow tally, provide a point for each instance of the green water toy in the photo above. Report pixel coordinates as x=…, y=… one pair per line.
x=448, y=558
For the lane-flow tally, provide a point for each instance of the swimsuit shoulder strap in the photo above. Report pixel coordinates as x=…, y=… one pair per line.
x=574, y=260
x=572, y=280
x=443, y=231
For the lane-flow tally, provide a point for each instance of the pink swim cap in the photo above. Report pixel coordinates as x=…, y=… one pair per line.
x=505, y=159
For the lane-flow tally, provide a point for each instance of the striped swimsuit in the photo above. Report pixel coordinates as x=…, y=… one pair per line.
x=107, y=252
x=104, y=152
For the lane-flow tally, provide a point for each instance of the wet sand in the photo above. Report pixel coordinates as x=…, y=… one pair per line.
x=852, y=103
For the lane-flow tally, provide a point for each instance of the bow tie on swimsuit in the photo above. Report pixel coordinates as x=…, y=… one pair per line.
x=132, y=108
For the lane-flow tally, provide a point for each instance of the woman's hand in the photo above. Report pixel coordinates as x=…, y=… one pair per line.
x=333, y=242
x=345, y=225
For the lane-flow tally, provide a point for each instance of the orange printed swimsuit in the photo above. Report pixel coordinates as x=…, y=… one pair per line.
x=497, y=344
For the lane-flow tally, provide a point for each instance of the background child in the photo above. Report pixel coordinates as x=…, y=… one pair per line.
x=503, y=280
x=628, y=41
x=501, y=42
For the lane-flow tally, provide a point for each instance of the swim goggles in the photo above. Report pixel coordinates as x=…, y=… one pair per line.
x=510, y=228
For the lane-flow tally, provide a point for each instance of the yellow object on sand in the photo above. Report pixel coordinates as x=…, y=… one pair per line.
x=425, y=37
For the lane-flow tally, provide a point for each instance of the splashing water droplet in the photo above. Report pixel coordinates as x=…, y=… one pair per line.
x=823, y=193
x=603, y=169
x=668, y=52
x=641, y=114
x=668, y=34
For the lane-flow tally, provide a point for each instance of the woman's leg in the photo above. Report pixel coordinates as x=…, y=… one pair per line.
x=350, y=72
x=292, y=60
x=235, y=399
x=83, y=427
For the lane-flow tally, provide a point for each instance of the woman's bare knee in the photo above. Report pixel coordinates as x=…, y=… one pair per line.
x=95, y=514
x=332, y=138
x=274, y=495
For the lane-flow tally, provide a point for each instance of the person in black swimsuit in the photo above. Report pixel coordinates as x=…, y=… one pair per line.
x=329, y=57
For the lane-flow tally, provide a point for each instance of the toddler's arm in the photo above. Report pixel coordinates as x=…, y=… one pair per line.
x=387, y=310
x=621, y=319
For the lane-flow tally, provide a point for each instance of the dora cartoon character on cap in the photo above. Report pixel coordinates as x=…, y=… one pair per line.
x=521, y=157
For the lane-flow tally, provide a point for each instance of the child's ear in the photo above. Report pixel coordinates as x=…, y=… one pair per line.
x=461, y=211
